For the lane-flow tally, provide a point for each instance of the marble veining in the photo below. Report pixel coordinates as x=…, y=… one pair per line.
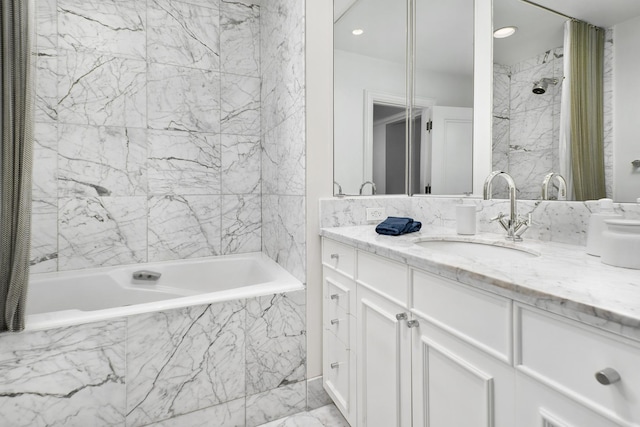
x=325, y=416
x=241, y=222
x=64, y=377
x=277, y=403
x=179, y=361
x=44, y=243
x=563, y=279
x=239, y=38
x=276, y=338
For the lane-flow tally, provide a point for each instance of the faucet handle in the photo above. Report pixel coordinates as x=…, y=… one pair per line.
x=498, y=218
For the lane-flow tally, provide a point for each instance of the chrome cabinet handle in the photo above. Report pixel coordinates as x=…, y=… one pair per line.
x=335, y=365
x=608, y=376
x=335, y=321
x=401, y=316
x=335, y=296
x=413, y=324
x=335, y=256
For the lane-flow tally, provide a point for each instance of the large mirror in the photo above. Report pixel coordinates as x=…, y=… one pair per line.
x=390, y=116
x=529, y=94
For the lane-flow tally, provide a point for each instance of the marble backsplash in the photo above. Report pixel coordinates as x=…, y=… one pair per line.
x=556, y=221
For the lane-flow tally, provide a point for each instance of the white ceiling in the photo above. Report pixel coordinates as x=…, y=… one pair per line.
x=444, y=32
x=444, y=28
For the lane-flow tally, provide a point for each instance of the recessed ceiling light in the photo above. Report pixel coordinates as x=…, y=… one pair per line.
x=503, y=32
x=357, y=32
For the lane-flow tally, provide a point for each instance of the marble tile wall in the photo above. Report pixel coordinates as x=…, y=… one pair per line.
x=526, y=127
x=232, y=363
x=148, y=138
x=282, y=30
x=556, y=221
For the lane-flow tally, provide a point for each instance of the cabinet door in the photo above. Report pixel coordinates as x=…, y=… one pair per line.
x=383, y=362
x=455, y=384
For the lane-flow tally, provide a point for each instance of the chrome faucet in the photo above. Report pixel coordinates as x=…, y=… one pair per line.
x=340, y=193
x=562, y=186
x=513, y=225
x=373, y=187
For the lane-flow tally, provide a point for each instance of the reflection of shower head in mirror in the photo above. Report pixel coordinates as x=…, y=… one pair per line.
x=541, y=85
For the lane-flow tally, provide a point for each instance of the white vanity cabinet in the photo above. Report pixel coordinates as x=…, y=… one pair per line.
x=422, y=350
x=339, y=355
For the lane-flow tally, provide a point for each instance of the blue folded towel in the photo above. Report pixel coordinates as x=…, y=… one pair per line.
x=395, y=226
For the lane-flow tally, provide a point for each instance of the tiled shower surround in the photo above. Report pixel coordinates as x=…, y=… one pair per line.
x=162, y=134
x=227, y=364
x=167, y=129
x=526, y=126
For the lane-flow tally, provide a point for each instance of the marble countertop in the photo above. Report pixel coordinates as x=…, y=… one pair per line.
x=563, y=279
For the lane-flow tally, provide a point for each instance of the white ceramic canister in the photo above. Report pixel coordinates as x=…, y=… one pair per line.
x=596, y=226
x=621, y=243
x=466, y=219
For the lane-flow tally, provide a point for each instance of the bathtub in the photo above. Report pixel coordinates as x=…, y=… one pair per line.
x=214, y=339
x=81, y=296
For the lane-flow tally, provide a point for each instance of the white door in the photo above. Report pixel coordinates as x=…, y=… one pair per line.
x=452, y=150
x=383, y=363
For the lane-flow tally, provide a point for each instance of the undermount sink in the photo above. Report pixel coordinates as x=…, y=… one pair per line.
x=478, y=249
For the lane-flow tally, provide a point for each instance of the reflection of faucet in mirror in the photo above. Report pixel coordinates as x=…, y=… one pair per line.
x=514, y=226
x=340, y=193
x=373, y=187
x=562, y=186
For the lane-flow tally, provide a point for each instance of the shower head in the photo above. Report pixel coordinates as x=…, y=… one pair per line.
x=541, y=85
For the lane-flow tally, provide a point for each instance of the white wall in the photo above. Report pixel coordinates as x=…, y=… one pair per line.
x=353, y=74
x=626, y=93
x=319, y=103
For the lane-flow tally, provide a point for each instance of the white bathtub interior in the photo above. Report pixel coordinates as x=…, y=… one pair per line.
x=72, y=297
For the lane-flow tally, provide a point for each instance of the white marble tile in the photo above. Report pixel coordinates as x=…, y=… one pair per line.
x=500, y=146
x=183, y=227
x=64, y=377
x=270, y=225
x=326, y=416
x=282, y=38
x=522, y=96
x=291, y=222
x=45, y=160
x=274, y=404
x=329, y=416
x=241, y=224
x=183, y=163
x=111, y=27
x=241, y=164
x=317, y=397
x=46, y=102
x=215, y=4
x=270, y=159
x=528, y=169
x=230, y=414
x=101, y=231
x=44, y=236
x=183, y=98
x=240, y=105
x=290, y=137
x=46, y=27
x=336, y=212
x=531, y=130
x=101, y=161
x=240, y=38
x=608, y=111
x=183, y=360
x=183, y=34
x=275, y=345
x=569, y=222
x=501, y=91
x=101, y=90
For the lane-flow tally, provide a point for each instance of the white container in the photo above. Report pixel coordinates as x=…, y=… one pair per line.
x=466, y=219
x=596, y=226
x=621, y=243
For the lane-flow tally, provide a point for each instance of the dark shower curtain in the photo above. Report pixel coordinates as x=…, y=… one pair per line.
x=16, y=110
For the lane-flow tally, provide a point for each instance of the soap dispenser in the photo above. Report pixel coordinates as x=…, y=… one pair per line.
x=597, y=226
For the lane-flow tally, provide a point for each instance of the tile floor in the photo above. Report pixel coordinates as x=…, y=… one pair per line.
x=326, y=416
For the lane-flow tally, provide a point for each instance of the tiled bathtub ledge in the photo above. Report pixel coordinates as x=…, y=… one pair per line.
x=563, y=279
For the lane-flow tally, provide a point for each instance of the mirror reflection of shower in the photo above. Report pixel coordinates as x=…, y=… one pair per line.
x=540, y=86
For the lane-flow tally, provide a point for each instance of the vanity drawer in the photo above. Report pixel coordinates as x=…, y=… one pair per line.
x=384, y=276
x=566, y=355
x=338, y=292
x=479, y=318
x=338, y=256
x=337, y=369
